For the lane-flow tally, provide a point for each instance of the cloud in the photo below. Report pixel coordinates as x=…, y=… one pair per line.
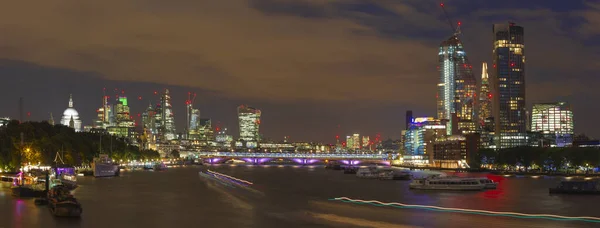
x=257, y=49
x=278, y=50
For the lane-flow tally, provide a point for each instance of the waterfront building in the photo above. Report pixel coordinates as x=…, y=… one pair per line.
x=456, y=88
x=554, y=121
x=249, y=124
x=508, y=90
x=419, y=138
x=366, y=142
x=223, y=140
x=349, y=142
x=455, y=151
x=70, y=116
x=205, y=131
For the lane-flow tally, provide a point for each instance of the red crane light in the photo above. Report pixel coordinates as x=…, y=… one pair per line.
x=442, y=4
x=489, y=95
x=140, y=98
x=459, y=23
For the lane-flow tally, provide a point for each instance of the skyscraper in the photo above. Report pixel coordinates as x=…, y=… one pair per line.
x=123, y=125
x=167, y=117
x=249, y=123
x=104, y=112
x=508, y=94
x=485, y=97
x=457, y=87
x=148, y=123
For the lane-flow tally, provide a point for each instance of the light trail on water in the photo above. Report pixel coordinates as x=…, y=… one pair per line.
x=469, y=211
x=233, y=178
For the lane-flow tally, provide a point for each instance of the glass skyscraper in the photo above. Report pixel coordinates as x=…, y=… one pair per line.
x=485, y=97
x=457, y=87
x=249, y=123
x=508, y=75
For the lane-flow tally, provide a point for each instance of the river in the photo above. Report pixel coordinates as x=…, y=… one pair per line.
x=292, y=196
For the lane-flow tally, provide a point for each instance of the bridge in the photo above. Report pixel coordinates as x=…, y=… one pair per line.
x=300, y=158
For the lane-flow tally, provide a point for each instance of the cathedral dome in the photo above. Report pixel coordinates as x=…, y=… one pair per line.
x=70, y=112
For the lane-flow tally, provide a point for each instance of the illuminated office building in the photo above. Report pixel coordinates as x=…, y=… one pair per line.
x=456, y=89
x=366, y=142
x=205, y=130
x=249, y=123
x=485, y=97
x=167, y=117
x=554, y=121
x=123, y=125
x=508, y=86
x=419, y=138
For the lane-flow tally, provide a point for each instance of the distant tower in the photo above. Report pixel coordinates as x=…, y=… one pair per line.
x=51, y=120
x=168, y=118
x=408, y=118
x=508, y=83
x=485, y=97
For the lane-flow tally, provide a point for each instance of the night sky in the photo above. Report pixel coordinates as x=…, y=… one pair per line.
x=316, y=68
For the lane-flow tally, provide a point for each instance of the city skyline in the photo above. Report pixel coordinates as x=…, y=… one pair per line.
x=370, y=99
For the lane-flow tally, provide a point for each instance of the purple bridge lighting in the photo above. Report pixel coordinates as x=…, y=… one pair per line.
x=256, y=160
x=304, y=161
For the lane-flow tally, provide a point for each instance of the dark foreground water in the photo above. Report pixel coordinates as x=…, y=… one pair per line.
x=291, y=196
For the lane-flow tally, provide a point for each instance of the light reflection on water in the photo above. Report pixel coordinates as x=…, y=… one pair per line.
x=287, y=193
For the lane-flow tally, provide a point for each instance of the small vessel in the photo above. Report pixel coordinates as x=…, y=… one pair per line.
x=367, y=172
x=393, y=174
x=577, y=187
x=160, y=166
x=103, y=166
x=62, y=203
x=62, y=174
x=447, y=183
x=28, y=186
x=350, y=169
x=7, y=181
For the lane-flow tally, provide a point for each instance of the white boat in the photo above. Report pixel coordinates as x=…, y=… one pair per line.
x=104, y=167
x=447, y=183
x=367, y=172
x=489, y=184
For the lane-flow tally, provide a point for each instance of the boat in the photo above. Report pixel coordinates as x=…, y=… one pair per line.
x=7, y=181
x=447, y=183
x=367, y=172
x=488, y=184
x=61, y=203
x=104, y=167
x=586, y=187
x=62, y=174
x=160, y=166
x=28, y=186
x=392, y=174
x=350, y=169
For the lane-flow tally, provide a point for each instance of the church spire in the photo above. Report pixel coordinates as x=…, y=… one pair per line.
x=51, y=120
x=70, y=100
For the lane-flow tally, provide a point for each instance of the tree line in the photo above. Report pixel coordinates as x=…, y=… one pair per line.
x=39, y=142
x=539, y=158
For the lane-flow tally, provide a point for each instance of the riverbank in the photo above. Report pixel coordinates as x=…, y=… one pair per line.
x=497, y=172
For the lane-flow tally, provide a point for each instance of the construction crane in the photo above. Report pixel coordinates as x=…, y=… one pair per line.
x=456, y=29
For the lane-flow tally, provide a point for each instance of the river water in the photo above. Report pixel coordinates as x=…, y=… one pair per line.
x=292, y=196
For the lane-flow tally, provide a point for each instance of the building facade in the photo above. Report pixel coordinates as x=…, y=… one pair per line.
x=249, y=125
x=554, y=121
x=419, y=138
x=457, y=88
x=508, y=75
